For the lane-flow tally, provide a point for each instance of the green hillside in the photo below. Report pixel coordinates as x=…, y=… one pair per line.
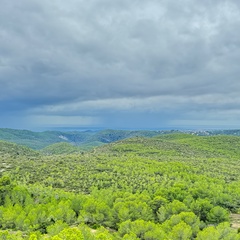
x=13, y=150
x=89, y=139
x=34, y=140
x=218, y=145
x=180, y=144
x=171, y=186
x=60, y=148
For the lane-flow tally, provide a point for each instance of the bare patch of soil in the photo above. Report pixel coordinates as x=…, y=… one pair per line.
x=235, y=220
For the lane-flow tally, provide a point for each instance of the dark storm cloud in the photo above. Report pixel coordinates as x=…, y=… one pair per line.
x=79, y=58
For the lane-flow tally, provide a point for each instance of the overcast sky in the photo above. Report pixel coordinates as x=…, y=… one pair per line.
x=120, y=63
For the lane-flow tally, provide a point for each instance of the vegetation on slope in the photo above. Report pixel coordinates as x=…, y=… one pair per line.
x=86, y=139
x=168, y=187
x=34, y=140
x=89, y=139
x=60, y=148
x=13, y=150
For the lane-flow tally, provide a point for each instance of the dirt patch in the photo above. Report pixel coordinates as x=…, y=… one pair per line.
x=235, y=220
x=93, y=230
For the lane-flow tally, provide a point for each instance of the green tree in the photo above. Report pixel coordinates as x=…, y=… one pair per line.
x=218, y=215
x=5, y=235
x=69, y=234
x=226, y=232
x=57, y=227
x=181, y=231
x=187, y=217
x=168, y=210
x=5, y=187
x=141, y=230
x=209, y=233
x=201, y=207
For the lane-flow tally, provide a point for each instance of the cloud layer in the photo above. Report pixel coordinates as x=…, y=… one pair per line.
x=120, y=63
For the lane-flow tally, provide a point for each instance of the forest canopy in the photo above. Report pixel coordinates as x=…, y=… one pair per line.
x=175, y=186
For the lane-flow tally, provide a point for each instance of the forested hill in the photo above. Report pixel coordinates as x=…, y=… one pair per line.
x=178, y=145
x=14, y=150
x=172, y=186
x=89, y=139
x=39, y=140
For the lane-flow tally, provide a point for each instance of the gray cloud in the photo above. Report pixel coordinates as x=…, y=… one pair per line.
x=93, y=58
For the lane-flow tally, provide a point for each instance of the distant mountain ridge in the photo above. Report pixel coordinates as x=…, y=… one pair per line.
x=40, y=140
x=88, y=139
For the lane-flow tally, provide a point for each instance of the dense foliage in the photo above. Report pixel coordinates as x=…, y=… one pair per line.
x=176, y=186
x=84, y=139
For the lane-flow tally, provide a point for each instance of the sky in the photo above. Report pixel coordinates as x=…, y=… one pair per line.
x=120, y=64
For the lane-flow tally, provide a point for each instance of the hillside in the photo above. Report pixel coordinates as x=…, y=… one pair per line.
x=14, y=150
x=60, y=148
x=212, y=156
x=180, y=144
x=34, y=140
x=171, y=186
x=89, y=139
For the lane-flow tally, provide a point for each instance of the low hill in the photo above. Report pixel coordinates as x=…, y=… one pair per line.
x=34, y=140
x=11, y=155
x=13, y=150
x=60, y=148
x=179, y=144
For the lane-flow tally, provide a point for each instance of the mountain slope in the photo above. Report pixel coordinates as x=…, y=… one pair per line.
x=90, y=139
x=153, y=188
x=39, y=140
x=12, y=149
x=60, y=148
